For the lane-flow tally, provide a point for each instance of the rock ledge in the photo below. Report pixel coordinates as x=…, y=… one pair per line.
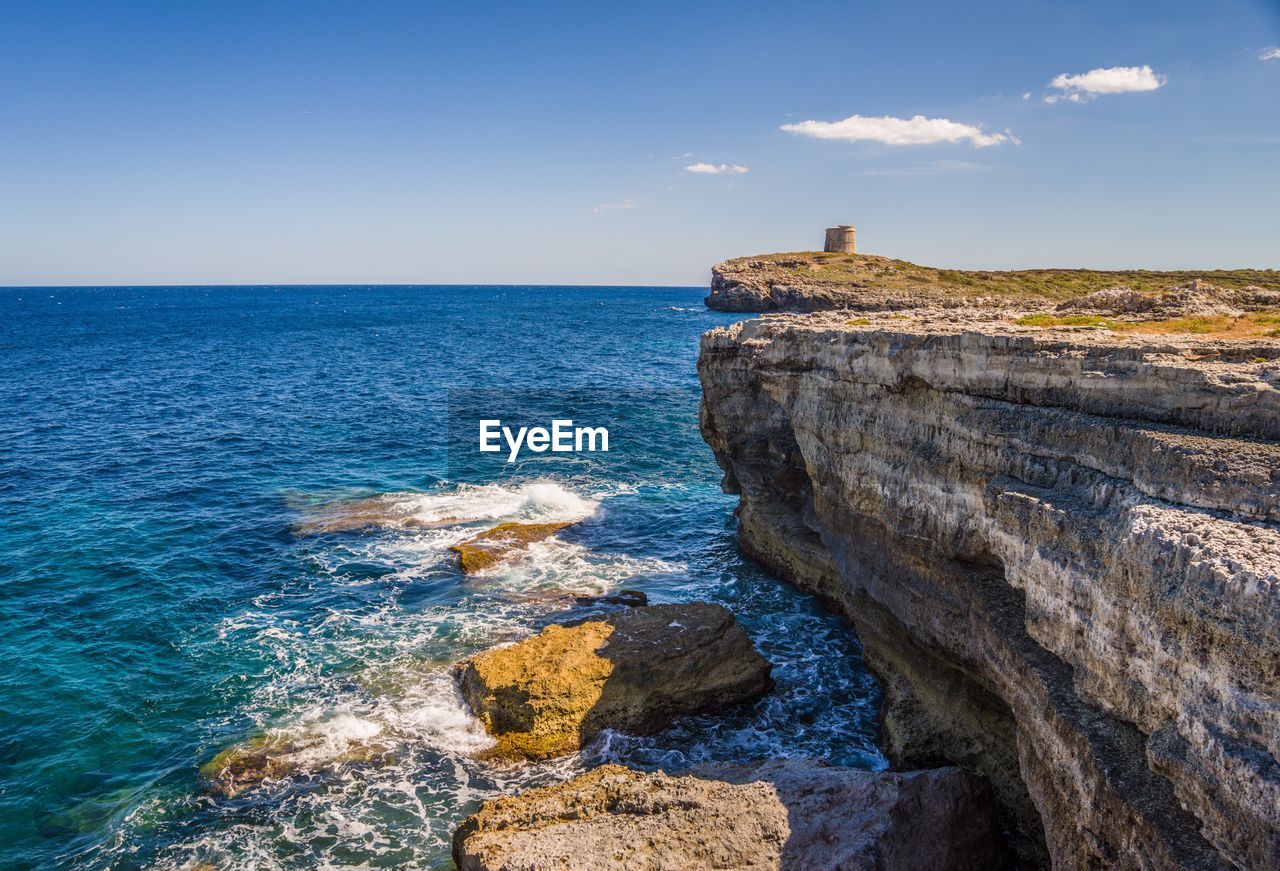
x=772, y=815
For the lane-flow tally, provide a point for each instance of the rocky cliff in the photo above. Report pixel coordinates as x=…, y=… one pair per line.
x=1060, y=549
x=808, y=281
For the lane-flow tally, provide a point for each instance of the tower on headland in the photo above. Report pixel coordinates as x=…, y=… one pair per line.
x=840, y=240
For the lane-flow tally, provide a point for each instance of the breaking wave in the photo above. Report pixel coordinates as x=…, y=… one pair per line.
x=380, y=761
x=246, y=543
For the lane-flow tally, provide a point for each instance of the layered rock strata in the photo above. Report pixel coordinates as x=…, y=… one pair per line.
x=1060, y=549
x=787, y=814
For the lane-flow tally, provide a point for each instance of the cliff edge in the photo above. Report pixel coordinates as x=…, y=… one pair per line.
x=808, y=281
x=1059, y=545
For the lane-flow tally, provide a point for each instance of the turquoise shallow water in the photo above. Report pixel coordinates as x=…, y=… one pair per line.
x=160, y=444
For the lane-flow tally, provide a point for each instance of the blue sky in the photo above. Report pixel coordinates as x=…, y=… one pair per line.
x=326, y=142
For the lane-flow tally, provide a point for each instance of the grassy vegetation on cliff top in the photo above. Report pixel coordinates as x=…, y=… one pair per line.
x=1251, y=325
x=871, y=271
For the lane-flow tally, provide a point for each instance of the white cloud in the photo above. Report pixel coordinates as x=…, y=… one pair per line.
x=1271, y=53
x=1083, y=87
x=627, y=203
x=917, y=130
x=716, y=169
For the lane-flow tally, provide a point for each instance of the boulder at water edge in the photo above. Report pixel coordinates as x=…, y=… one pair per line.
x=634, y=670
x=499, y=543
x=793, y=814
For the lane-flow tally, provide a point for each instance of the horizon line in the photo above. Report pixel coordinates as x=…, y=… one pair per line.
x=344, y=284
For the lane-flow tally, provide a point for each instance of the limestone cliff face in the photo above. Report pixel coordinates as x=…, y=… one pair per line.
x=1061, y=553
x=764, y=286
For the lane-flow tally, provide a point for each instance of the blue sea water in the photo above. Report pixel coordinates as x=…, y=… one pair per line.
x=159, y=600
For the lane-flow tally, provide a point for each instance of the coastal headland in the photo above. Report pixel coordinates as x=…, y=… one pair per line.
x=1048, y=502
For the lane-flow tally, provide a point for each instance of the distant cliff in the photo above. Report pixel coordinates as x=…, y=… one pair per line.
x=1059, y=547
x=815, y=281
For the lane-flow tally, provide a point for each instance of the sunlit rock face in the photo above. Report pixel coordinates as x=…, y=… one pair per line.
x=633, y=670
x=500, y=543
x=1061, y=553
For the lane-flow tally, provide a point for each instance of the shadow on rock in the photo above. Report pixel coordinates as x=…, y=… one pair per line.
x=633, y=670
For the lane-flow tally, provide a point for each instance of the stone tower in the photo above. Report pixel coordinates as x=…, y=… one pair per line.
x=840, y=240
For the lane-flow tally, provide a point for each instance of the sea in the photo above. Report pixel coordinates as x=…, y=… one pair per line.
x=177, y=576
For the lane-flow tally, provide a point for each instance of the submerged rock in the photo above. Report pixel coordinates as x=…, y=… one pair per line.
x=552, y=597
x=501, y=542
x=278, y=755
x=634, y=670
x=771, y=815
x=374, y=512
x=622, y=598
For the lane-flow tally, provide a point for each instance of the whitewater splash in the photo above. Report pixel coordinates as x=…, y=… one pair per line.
x=540, y=500
x=534, y=501
x=358, y=713
x=370, y=753
x=194, y=613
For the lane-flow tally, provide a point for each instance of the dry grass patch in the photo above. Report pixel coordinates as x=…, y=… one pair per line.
x=1249, y=326
x=885, y=273
x=1047, y=320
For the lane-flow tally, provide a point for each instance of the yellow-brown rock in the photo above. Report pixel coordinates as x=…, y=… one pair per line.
x=501, y=542
x=633, y=671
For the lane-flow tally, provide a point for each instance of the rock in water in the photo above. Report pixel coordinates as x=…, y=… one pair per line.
x=502, y=541
x=634, y=670
x=387, y=511
x=779, y=814
x=621, y=598
x=280, y=754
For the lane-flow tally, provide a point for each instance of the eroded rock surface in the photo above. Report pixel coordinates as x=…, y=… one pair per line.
x=1060, y=551
x=282, y=754
x=500, y=543
x=789, y=814
x=633, y=670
